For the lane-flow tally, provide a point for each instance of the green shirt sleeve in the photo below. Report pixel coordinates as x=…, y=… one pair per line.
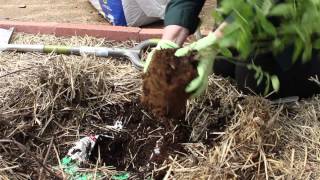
x=184, y=13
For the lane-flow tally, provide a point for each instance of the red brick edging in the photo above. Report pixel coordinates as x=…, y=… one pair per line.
x=117, y=33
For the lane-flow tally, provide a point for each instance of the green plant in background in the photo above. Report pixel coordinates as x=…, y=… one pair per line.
x=251, y=30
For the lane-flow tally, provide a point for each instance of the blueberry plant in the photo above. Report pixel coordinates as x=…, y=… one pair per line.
x=253, y=30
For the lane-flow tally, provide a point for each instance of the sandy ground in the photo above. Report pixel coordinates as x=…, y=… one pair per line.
x=76, y=11
x=206, y=14
x=70, y=11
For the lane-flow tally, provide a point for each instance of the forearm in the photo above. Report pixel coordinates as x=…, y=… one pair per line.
x=181, y=20
x=175, y=33
x=184, y=13
x=179, y=34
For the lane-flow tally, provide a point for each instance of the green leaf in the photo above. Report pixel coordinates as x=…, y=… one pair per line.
x=249, y=66
x=267, y=25
x=297, y=50
x=243, y=44
x=257, y=75
x=230, y=36
x=252, y=31
x=226, y=52
x=259, y=72
x=217, y=16
x=266, y=6
x=260, y=80
x=283, y=9
x=277, y=45
x=228, y=41
x=275, y=83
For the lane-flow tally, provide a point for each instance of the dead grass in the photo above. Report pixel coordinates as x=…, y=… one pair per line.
x=263, y=141
x=49, y=101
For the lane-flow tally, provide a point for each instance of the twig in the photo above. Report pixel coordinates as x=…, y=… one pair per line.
x=9, y=168
x=60, y=165
x=46, y=157
x=166, y=177
x=14, y=72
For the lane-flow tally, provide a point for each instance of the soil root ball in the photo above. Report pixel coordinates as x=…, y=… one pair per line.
x=165, y=82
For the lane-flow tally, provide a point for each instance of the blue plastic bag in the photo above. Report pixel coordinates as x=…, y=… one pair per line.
x=113, y=11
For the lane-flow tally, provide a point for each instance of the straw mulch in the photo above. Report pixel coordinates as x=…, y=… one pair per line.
x=47, y=102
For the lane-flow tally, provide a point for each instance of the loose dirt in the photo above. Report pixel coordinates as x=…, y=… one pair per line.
x=143, y=145
x=165, y=82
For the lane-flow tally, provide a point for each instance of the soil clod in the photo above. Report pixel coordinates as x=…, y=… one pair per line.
x=165, y=82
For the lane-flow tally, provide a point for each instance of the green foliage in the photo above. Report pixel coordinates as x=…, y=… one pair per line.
x=261, y=75
x=267, y=26
x=252, y=29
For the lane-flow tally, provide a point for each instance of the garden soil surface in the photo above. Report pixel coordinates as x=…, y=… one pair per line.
x=101, y=93
x=48, y=102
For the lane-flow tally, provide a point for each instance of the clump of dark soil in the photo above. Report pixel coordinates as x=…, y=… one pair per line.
x=165, y=82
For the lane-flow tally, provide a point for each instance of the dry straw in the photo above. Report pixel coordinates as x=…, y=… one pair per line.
x=49, y=101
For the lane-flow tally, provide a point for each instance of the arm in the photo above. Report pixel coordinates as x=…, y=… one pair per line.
x=175, y=33
x=179, y=34
x=181, y=19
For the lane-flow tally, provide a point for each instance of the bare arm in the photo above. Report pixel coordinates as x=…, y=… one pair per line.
x=179, y=34
x=175, y=33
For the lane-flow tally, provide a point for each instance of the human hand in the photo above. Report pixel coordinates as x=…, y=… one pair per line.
x=199, y=45
x=205, y=65
x=162, y=44
x=204, y=68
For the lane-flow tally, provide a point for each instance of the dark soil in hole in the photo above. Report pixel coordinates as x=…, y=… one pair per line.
x=134, y=149
x=143, y=144
x=165, y=82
